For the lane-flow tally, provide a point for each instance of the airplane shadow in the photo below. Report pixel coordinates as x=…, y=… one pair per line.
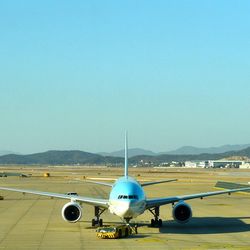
x=207, y=225
x=197, y=225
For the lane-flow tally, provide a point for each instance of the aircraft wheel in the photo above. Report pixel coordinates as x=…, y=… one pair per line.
x=93, y=222
x=120, y=233
x=160, y=222
x=100, y=222
x=152, y=222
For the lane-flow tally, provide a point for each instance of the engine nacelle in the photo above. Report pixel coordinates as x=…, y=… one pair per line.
x=182, y=212
x=72, y=212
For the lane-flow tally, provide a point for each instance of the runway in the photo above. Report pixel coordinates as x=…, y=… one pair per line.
x=34, y=222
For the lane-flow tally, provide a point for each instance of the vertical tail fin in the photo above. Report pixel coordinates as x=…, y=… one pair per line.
x=126, y=155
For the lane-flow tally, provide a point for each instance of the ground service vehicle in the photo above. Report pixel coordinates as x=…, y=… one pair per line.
x=114, y=232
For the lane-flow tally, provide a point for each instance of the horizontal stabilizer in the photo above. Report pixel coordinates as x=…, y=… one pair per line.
x=156, y=182
x=101, y=183
x=230, y=185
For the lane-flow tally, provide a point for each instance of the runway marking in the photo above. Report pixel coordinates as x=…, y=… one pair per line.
x=47, y=224
x=18, y=220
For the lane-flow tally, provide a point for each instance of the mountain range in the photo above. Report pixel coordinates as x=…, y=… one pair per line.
x=186, y=150
x=73, y=157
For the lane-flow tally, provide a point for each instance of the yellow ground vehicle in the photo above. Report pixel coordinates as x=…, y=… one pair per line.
x=114, y=232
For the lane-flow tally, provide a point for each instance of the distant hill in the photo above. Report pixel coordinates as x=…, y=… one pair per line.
x=131, y=152
x=189, y=150
x=186, y=150
x=74, y=157
x=180, y=158
x=244, y=152
x=55, y=157
x=6, y=152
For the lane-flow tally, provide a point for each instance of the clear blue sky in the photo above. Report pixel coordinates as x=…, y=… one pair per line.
x=76, y=74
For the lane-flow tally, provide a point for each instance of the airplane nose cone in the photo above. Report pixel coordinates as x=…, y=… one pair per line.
x=125, y=210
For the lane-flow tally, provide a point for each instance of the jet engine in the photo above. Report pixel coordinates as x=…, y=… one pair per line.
x=182, y=212
x=72, y=212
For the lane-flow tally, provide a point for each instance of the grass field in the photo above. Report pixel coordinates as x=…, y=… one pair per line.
x=34, y=222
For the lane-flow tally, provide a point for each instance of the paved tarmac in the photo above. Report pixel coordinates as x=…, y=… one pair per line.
x=34, y=222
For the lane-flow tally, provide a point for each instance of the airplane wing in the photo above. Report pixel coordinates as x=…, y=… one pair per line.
x=92, y=201
x=168, y=200
x=155, y=182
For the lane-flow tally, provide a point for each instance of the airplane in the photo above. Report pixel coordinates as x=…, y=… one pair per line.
x=127, y=200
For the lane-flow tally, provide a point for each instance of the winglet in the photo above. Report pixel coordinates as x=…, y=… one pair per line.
x=126, y=156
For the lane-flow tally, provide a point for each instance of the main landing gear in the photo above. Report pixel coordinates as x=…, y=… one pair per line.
x=156, y=221
x=97, y=221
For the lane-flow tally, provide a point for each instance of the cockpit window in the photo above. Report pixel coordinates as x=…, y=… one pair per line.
x=130, y=197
